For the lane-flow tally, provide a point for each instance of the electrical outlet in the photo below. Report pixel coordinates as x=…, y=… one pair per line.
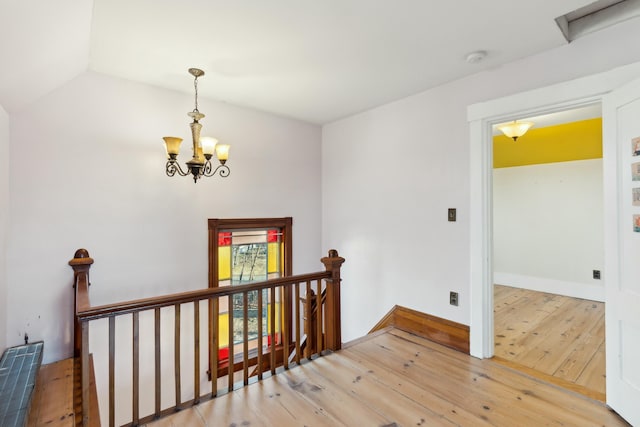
x=453, y=298
x=451, y=215
x=596, y=274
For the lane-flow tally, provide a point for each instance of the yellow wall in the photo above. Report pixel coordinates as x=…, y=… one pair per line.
x=570, y=141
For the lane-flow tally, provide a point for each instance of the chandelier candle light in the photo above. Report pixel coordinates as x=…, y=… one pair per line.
x=203, y=148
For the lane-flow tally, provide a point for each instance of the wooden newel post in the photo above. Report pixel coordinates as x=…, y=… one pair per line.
x=333, y=335
x=81, y=263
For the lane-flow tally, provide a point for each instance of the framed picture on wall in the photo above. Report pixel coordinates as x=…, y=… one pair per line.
x=636, y=196
x=635, y=171
x=635, y=146
x=636, y=223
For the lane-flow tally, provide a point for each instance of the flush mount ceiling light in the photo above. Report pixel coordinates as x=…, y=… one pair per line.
x=203, y=148
x=475, y=57
x=515, y=129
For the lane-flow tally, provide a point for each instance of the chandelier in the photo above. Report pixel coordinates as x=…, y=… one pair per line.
x=203, y=148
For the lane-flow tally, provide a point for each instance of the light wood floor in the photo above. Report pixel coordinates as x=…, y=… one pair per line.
x=562, y=338
x=394, y=378
x=52, y=401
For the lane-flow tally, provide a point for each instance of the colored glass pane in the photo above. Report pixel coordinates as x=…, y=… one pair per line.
x=223, y=330
x=224, y=262
x=277, y=325
x=273, y=258
x=273, y=236
x=224, y=238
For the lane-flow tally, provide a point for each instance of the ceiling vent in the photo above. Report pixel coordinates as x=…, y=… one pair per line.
x=597, y=16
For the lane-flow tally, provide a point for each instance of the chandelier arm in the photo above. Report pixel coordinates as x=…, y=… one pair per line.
x=173, y=167
x=222, y=170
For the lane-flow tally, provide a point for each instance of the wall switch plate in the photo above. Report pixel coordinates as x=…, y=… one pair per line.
x=451, y=216
x=453, y=298
x=596, y=274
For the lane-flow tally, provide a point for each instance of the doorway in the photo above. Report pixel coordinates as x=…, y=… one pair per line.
x=619, y=92
x=548, y=250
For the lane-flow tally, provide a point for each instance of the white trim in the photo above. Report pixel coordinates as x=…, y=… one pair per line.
x=622, y=303
x=552, y=286
x=481, y=117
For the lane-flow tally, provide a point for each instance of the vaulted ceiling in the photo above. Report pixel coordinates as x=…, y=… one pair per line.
x=312, y=60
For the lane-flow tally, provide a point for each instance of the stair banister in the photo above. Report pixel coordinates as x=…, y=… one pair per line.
x=279, y=354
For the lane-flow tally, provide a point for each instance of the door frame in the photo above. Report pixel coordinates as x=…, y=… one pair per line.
x=481, y=117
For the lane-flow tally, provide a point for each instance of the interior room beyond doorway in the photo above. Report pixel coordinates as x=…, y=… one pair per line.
x=548, y=250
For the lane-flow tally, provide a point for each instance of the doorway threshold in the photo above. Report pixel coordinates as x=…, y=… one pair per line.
x=567, y=385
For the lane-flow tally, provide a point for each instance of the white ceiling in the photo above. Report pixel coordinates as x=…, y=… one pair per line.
x=316, y=61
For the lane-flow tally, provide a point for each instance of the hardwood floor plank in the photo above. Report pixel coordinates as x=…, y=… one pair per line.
x=367, y=385
x=187, y=417
x=478, y=393
x=553, y=399
x=400, y=379
x=237, y=408
x=339, y=403
x=450, y=413
x=578, y=357
x=593, y=376
x=562, y=340
x=556, y=335
x=52, y=403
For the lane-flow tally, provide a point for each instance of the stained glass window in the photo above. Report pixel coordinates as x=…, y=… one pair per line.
x=247, y=255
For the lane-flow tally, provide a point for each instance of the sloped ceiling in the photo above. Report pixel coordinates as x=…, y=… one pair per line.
x=43, y=44
x=314, y=61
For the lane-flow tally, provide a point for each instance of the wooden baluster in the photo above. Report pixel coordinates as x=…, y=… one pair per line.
x=322, y=326
x=319, y=332
x=136, y=368
x=112, y=370
x=214, y=330
x=260, y=332
x=245, y=360
x=273, y=330
x=308, y=324
x=297, y=322
x=230, y=369
x=333, y=263
x=176, y=355
x=158, y=382
x=196, y=352
x=84, y=375
x=285, y=327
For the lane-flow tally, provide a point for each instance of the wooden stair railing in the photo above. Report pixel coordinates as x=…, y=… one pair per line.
x=281, y=349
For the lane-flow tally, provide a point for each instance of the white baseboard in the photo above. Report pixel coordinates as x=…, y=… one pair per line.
x=553, y=286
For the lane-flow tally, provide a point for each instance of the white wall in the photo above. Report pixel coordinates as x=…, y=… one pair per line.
x=88, y=171
x=4, y=222
x=548, y=227
x=387, y=213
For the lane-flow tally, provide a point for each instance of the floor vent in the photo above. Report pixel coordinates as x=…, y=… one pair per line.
x=18, y=370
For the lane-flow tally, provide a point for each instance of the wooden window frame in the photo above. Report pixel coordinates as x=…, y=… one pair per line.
x=217, y=225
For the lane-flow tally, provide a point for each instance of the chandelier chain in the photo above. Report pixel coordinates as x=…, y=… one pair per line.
x=195, y=85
